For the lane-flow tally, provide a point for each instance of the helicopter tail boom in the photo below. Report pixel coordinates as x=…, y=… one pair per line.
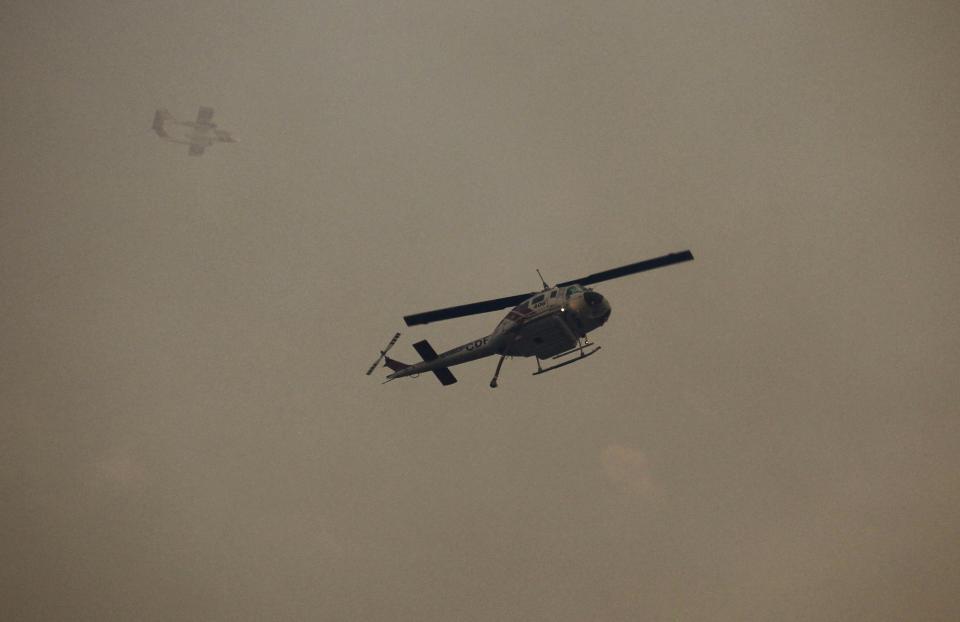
x=429, y=363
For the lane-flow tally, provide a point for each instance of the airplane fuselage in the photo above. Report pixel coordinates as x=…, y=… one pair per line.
x=199, y=134
x=202, y=134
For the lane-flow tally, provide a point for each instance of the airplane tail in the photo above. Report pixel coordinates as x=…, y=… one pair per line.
x=159, y=118
x=224, y=136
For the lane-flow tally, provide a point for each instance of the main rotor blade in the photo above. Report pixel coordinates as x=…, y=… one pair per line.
x=467, y=309
x=640, y=266
x=496, y=304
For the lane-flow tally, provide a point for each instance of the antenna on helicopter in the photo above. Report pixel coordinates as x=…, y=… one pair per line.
x=545, y=286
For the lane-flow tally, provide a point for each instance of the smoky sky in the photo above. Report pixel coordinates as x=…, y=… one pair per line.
x=770, y=432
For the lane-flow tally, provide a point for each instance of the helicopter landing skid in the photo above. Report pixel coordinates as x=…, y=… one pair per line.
x=583, y=354
x=586, y=344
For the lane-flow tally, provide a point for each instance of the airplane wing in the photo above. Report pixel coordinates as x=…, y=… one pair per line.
x=205, y=115
x=196, y=150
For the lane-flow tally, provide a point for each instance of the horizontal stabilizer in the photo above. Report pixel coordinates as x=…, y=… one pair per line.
x=425, y=350
x=427, y=353
x=445, y=376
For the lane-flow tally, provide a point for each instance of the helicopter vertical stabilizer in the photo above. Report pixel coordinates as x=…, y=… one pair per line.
x=394, y=364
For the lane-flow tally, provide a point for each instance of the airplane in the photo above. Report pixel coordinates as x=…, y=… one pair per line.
x=202, y=133
x=550, y=324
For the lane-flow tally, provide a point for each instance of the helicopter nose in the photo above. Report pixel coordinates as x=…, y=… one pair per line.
x=598, y=307
x=593, y=299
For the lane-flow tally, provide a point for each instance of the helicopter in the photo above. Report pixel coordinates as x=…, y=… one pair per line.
x=549, y=325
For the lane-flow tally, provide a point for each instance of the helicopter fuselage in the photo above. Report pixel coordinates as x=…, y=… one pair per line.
x=552, y=321
x=550, y=324
x=544, y=325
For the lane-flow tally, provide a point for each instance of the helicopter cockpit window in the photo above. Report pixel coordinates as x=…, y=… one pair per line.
x=573, y=289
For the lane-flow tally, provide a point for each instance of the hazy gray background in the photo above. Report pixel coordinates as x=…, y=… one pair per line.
x=770, y=432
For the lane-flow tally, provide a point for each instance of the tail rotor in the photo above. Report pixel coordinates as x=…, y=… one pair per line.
x=383, y=353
